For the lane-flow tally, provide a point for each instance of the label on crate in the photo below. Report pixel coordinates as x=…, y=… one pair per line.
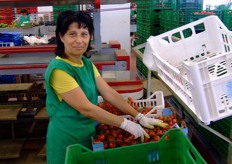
x=229, y=89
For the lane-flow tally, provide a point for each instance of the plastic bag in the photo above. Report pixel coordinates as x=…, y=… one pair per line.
x=148, y=57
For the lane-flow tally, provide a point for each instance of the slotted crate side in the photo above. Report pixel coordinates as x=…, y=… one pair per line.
x=155, y=101
x=227, y=18
x=142, y=69
x=188, y=4
x=11, y=37
x=198, y=68
x=154, y=4
x=57, y=9
x=222, y=146
x=176, y=148
x=223, y=126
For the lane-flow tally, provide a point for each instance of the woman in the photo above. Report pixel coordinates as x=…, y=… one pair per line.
x=24, y=18
x=72, y=86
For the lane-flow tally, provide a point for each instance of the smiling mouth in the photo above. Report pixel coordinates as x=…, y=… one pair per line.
x=78, y=48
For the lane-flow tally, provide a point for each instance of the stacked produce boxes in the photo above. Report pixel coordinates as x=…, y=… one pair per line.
x=6, y=16
x=227, y=18
x=148, y=19
x=12, y=38
x=148, y=23
x=59, y=8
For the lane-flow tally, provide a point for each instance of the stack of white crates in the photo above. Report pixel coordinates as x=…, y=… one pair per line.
x=197, y=66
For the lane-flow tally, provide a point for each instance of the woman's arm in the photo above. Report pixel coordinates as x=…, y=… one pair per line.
x=31, y=19
x=77, y=99
x=17, y=19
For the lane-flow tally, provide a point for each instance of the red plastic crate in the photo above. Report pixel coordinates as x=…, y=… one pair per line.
x=29, y=9
x=6, y=21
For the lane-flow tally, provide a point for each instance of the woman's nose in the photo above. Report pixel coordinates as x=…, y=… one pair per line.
x=78, y=39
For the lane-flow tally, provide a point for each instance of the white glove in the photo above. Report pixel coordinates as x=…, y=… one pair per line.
x=149, y=122
x=134, y=128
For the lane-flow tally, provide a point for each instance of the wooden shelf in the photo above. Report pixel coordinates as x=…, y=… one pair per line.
x=42, y=152
x=42, y=114
x=10, y=148
x=9, y=112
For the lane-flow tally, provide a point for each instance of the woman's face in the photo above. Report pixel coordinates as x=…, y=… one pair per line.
x=76, y=40
x=24, y=14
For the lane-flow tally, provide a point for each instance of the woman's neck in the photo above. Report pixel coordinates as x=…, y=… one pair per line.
x=76, y=60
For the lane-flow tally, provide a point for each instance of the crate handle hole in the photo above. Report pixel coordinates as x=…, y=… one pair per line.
x=221, y=111
x=176, y=37
x=187, y=32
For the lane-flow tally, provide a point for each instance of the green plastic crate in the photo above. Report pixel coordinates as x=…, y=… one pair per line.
x=154, y=4
x=227, y=18
x=57, y=9
x=141, y=68
x=222, y=147
x=224, y=127
x=188, y=4
x=176, y=149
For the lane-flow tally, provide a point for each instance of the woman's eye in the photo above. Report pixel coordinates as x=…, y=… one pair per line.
x=85, y=34
x=72, y=34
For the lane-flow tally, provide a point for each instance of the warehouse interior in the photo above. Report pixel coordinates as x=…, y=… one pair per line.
x=130, y=37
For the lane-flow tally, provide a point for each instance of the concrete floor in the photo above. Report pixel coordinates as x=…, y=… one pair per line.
x=29, y=153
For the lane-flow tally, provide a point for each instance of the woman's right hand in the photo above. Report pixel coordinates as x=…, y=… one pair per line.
x=134, y=128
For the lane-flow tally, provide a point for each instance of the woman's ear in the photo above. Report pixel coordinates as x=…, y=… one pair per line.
x=61, y=37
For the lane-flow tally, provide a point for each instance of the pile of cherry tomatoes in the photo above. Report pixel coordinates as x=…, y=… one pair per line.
x=112, y=136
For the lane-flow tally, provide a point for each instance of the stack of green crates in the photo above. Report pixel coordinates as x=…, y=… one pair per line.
x=221, y=145
x=59, y=8
x=166, y=20
x=176, y=149
x=224, y=127
x=187, y=4
x=141, y=68
x=148, y=19
x=227, y=18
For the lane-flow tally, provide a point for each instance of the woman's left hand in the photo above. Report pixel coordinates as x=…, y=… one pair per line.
x=149, y=122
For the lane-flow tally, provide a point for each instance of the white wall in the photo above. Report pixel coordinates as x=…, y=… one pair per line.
x=115, y=24
x=214, y=2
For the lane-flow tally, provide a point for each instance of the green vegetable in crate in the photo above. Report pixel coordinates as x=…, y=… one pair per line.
x=3, y=25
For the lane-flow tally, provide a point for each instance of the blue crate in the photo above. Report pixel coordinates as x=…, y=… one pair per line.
x=14, y=37
x=6, y=44
x=7, y=79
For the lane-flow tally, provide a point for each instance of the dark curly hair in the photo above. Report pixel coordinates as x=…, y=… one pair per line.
x=24, y=11
x=65, y=18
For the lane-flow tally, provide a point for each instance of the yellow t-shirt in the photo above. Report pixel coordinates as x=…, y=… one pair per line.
x=62, y=82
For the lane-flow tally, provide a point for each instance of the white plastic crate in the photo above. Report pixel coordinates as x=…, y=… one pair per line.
x=6, y=44
x=155, y=101
x=197, y=68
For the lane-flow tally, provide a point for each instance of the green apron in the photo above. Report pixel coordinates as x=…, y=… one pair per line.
x=66, y=125
x=23, y=19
